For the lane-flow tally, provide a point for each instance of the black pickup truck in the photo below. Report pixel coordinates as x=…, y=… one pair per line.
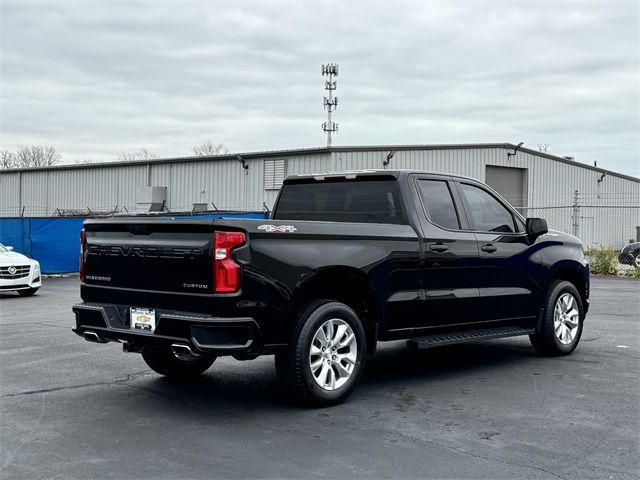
x=345, y=261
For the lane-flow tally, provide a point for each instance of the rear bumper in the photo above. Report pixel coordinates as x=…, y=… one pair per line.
x=203, y=334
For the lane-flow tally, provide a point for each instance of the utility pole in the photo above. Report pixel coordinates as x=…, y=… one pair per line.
x=576, y=213
x=330, y=103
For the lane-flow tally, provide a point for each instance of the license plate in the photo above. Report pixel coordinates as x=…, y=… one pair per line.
x=143, y=319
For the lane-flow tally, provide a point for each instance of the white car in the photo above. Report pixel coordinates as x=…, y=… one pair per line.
x=18, y=272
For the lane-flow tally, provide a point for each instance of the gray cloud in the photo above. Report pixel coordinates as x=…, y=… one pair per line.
x=97, y=78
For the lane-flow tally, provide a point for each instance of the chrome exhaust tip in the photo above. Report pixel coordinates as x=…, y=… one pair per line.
x=93, y=337
x=181, y=350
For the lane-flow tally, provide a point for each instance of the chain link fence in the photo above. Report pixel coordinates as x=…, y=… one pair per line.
x=611, y=220
x=599, y=220
x=35, y=211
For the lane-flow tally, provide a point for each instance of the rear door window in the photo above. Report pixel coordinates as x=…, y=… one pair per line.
x=438, y=203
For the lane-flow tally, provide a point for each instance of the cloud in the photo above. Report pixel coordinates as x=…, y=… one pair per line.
x=98, y=78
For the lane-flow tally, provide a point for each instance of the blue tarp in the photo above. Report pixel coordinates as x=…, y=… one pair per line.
x=14, y=232
x=55, y=242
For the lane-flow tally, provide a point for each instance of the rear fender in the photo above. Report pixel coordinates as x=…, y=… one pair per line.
x=344, y=284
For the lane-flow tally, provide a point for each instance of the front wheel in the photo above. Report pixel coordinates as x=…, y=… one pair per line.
x=166, y=363
x=326, y=354
x=561, y=327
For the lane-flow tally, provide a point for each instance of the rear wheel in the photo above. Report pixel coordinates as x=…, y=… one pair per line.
x=166, y=363
x=326, y=354
x=27, y=292
x=561, y=327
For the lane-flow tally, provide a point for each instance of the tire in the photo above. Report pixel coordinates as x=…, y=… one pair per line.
x=549, y=340
x=166, y=363
x=345, y=367
x=27, y=292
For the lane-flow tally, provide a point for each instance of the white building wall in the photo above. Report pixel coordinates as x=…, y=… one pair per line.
x=104, y=188
x=10, y=194
x=550, y=182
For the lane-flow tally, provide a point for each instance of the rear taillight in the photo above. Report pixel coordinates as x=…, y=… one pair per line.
x=226, y=272
x=83, y=259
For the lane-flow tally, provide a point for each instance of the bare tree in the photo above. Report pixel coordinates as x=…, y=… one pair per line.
x=7, y=159
x=85, y=160
x=142, y=154
x=29, y=156
x=208, y=149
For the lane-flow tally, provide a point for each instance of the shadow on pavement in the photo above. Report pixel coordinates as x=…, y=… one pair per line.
x=393, y=367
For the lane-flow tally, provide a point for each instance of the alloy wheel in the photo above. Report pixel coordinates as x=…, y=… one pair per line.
x=566, y=318
x=333, y=354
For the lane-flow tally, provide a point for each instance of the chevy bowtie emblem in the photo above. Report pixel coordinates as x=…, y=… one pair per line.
x=13, y=270
x=278, y=228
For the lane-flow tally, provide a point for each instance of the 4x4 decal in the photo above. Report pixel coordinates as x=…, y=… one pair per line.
x=278, y=228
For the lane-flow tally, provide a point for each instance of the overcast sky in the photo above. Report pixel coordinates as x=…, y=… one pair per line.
x=94, y=79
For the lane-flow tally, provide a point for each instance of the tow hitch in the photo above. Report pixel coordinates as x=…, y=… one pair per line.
x=131, y=347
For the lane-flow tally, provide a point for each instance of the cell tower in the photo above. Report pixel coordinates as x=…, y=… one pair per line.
x=330, y=103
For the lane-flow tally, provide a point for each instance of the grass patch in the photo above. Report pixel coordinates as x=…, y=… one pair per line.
x=604, y=261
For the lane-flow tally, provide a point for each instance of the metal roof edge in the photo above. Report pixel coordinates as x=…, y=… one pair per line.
x=156, y=161
x=575, y=163
x=506, y=145
x=320, y=150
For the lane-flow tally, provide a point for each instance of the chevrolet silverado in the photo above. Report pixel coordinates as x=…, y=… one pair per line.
x=346, y=260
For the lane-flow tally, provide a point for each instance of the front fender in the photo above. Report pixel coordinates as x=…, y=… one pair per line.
x=568, y=263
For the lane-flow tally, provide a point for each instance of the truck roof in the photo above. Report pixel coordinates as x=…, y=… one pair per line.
x=352, y=174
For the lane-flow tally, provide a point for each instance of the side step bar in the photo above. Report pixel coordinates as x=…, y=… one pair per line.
x=442, y=339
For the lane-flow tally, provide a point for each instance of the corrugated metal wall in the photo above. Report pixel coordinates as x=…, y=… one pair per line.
x=226, y=184
x=221, y=182
x=550, y=182
x=10, y=194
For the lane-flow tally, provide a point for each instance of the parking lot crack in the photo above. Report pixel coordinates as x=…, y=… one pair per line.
x=117, y=381
x=65, y=327
x=168, y=396
x=480, y=457
x=28, y=439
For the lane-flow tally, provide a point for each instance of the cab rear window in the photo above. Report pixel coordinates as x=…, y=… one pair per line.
x=359, y=201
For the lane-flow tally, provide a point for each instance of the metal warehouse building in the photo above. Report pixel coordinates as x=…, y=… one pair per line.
x=600, y=206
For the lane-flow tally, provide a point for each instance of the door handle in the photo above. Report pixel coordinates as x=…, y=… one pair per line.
x=438, y=247
x=489, y=248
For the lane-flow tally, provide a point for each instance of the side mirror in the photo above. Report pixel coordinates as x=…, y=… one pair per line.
x=9, y=248
x=536, y=227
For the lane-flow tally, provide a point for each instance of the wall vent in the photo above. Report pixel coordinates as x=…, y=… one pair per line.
x=274, y=172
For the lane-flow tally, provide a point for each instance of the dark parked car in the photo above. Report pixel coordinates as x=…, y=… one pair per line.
x=345, y=261
x=630, y=255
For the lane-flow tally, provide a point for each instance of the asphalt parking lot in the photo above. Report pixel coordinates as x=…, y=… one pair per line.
x=71, y=409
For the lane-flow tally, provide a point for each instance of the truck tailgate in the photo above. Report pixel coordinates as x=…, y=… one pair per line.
x=162, y=256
